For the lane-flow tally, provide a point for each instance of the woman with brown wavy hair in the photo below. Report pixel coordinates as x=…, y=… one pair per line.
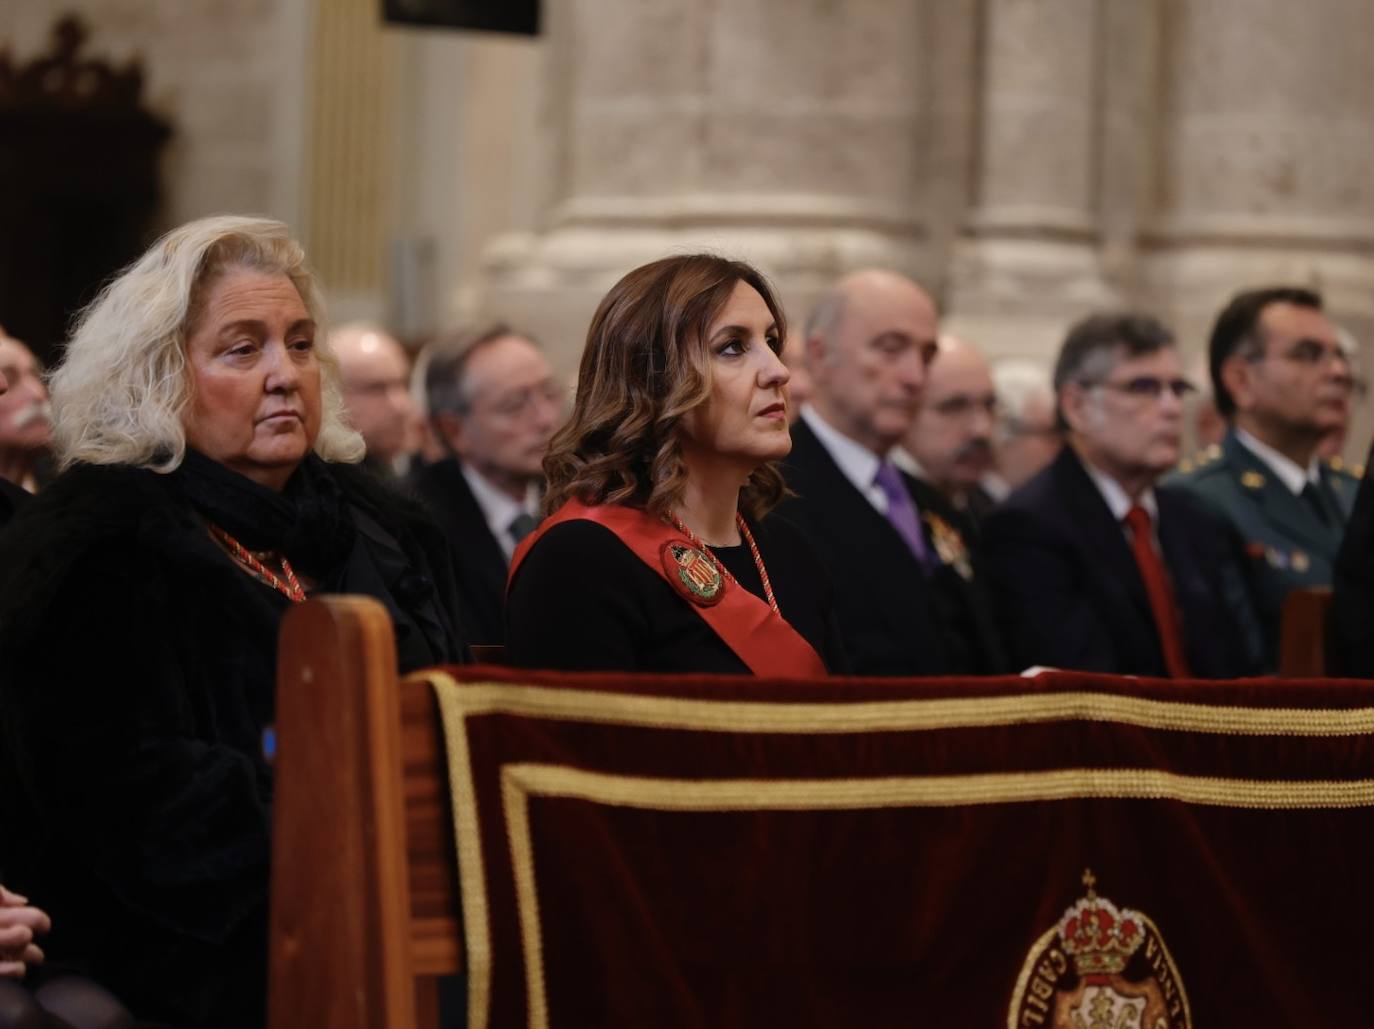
x=658, y=552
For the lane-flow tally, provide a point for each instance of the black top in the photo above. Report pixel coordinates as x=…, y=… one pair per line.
x=1352, y=601
x=583, y=601
x=11, y=496
x=1070, y=595
x=481, y=563
x=137, y=674
x=896, y=618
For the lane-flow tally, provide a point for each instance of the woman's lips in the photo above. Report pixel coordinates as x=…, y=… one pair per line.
x=279, y=416
x=774, y=411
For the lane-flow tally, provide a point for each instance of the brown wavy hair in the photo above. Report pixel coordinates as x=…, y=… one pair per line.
x=644, y=367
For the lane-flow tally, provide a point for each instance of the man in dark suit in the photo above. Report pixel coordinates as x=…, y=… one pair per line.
x=493, y=403
x=1093, y=566
x=897, y=552
x=949, y=444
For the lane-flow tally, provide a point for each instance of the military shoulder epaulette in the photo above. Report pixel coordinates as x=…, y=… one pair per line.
x=1337, y=464
x=1200, y=459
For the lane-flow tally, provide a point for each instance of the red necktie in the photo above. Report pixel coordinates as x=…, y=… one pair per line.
x=1158, y=590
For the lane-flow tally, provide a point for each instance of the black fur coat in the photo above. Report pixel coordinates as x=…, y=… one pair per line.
x=137, y=671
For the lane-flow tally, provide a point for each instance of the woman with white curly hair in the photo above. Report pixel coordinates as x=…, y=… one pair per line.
x=206, y=486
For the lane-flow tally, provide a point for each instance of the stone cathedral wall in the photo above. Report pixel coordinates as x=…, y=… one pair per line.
x=1029, y=160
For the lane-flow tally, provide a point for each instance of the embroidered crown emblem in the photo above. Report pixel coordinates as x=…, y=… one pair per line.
x=1097, y=935
x=692, y=573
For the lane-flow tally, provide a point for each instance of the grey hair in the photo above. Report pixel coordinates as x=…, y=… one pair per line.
x=827, y=315
x=123, y=384
x=446, y=379
x=1098, y=343
x=1017, y=383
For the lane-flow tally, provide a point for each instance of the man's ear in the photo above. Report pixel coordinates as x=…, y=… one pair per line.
x=1073, y=402
x=449, y=427
x=1237, y=376
x=817, y=354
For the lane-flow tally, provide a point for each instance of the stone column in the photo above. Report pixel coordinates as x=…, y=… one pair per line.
x=1267, y=154
x=1265, y=164
x=785, y=132
x=1029, y=259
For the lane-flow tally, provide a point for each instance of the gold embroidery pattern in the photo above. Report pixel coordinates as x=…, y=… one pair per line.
x=519, y=782
x=568, y=704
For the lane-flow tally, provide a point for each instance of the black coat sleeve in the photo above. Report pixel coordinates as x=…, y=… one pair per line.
x=1045, y=614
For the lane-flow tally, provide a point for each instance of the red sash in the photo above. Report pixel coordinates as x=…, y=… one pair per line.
x=760, y=638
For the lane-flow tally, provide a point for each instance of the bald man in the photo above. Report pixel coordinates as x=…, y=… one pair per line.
x=375, y=372
x=901, y=569
x=949, y=444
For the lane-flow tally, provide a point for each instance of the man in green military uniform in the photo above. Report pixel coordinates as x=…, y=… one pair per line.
x=1283, y=381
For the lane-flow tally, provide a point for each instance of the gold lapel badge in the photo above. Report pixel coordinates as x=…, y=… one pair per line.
x=949, y=545
x=1252, y=480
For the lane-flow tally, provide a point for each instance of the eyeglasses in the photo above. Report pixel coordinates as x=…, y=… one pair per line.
x=1148, y=387
x=1310, y=352
x=519, y=402
x=961, y=405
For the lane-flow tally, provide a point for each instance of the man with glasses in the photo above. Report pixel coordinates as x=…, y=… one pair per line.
x=949, y=444
x=1092, y=565
x=493, y=404
x=374, y=370
x=1283, y=381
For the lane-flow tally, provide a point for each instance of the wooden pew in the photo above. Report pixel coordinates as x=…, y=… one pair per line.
x=1303, y=633
x=365, y=909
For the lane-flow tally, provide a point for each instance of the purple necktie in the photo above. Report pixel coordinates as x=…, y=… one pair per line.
x=901, y=511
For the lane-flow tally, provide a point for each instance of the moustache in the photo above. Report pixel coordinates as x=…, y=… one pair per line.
x=39, y=409
x=979, y=446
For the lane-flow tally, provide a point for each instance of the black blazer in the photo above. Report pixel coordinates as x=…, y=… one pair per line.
x=481, y=563
x=893, y=618
x=11, y=496
x=1069, y=595
x=1352, y=587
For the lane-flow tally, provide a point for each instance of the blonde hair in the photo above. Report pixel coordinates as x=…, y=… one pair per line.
x=644, y=367
x=123, y=384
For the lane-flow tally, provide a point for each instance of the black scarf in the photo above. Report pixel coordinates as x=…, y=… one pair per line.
x=308, y=520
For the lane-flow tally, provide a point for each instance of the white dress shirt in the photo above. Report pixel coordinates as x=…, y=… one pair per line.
x=499, y=508
x=1120, y=503
x=856, y=461
x=1285, y=469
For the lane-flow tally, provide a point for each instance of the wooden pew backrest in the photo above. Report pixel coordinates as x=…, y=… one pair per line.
x=364, y=887
x=1303, y=633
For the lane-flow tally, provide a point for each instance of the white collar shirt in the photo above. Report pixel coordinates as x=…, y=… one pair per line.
x=1119, y=501
x=903, y=459
x=858, y=464
x=1288, y=471
x=499, y=509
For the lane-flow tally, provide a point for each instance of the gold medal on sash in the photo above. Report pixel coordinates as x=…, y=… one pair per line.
x=692, y=573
